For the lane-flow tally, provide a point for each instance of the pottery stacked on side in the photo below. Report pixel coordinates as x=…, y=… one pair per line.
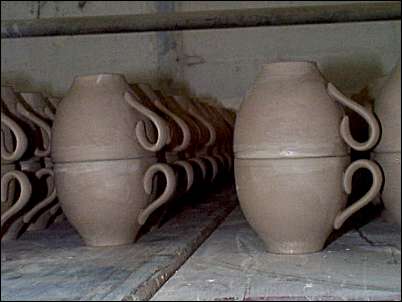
x=28, y=204
x=104, y=147
x=387, y=153
x=292, y=163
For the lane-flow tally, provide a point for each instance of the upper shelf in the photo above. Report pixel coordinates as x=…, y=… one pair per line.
x=357, y=12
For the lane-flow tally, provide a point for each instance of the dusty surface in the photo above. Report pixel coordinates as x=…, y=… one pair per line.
x=362, y=264
x=54, y=264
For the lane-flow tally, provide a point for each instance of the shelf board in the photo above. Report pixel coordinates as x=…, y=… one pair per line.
x=362, y=264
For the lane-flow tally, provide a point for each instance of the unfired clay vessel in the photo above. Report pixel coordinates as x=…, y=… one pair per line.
x=388, y=152
x=101, y=119
x=108, y=201
x=293, y=112
x=294, y=204
x=292, y=173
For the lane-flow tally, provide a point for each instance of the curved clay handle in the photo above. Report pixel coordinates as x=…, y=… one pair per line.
x=214, y=164
x=53, y=210
x=202, y=166
x=374, y=128
x=189, y=172
x=161, y=126
x=45, y=202
x=49, y=113
x=25, y=193
x=347, y=184
x=182, y=125
x=45, y=129
x=166, y=195
x=20, y=138
x=212, y=133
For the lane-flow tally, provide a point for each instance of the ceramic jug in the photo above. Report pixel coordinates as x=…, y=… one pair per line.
x=101, y=119
x=13, y=140
x=33, y=126
x=12, y=206
x=172, y=152
x=294, y=173
x=388, y=152
x=108, y=201
x=294, y=112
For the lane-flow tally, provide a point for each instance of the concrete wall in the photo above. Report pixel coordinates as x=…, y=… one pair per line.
x=220, y=63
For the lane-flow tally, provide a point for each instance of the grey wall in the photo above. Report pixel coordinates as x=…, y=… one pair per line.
x=220, y=63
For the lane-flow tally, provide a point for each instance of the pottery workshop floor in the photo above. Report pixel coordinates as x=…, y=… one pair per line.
x=206, y=252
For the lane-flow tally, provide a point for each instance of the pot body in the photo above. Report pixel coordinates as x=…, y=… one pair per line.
x=102, y=199
x=291, y=203
x=391, y=191
x=290, y=114
x=388, y=152
x=95, y=122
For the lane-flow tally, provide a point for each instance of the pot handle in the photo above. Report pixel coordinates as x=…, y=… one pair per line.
x=182, y=125
x=374, y=128
x=202, y=166
x=189, y=172
x=161, y=126
x=25, y=193
x=45, y=202
x=20, y=138
x=44, y=127
x=167, y=193
x=347, y=185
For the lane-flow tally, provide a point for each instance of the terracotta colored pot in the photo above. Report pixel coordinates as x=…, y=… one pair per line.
x=294, y=204
x=100, y=118
x=388, y=152
x=108, y=201
x=292, y=112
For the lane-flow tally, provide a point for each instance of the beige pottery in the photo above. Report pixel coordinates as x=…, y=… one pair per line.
x=16, y=108
x=294, y=204
x=13, y=140
x=388, y=152
x=293, y=112
x=100, y=118
x=108, y=201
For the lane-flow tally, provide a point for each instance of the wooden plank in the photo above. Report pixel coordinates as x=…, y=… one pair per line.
x=273, y=16
x=363, y=264
x=55, y=265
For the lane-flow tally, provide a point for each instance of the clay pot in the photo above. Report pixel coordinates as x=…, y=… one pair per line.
x=12, y=207
x=32, y=124
x=13, y=140
x=294, y=163
x=179, y=132
x=294, y=204
x=101, y=119
x=293, y=112
x=388, y=152
x=108, y=201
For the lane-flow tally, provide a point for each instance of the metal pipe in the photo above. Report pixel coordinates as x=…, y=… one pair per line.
x=356, y=12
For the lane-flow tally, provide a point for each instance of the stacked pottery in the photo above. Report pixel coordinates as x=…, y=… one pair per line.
x=105, y=161
x=387, y=106
x=13, y=146
x=40, y=215
x=180, y=135
x=292, y=166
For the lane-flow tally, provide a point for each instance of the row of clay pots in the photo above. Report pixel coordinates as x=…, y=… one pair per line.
x=27, y=201
x=110, y=140
x=293, y=174
x=383, y=96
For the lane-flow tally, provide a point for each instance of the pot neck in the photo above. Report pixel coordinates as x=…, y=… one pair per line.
x=104, y=80
x=289, y=69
